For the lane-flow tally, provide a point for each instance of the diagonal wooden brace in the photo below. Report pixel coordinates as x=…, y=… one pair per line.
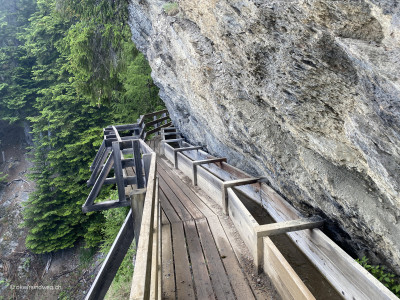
x=203, y=162
x=176, y=150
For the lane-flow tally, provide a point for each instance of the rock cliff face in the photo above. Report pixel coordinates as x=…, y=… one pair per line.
x=305, y=92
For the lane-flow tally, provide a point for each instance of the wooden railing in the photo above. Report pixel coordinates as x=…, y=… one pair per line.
x=142, y=222
x=160, y=119
x=219, y=181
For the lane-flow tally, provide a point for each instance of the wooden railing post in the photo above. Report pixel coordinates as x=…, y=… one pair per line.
x=137, y=203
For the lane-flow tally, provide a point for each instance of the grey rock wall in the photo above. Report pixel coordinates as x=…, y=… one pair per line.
x=306, y=92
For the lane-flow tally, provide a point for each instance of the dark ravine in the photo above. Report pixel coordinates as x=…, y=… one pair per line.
x=305, y=92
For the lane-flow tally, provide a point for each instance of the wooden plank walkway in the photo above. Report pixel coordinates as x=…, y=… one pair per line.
x=198, y=260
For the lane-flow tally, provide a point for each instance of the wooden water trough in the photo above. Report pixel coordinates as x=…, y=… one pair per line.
x=220, y=181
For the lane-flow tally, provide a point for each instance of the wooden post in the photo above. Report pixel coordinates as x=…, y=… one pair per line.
x=3, y=156
x=138, y=163
x=137, y=203
x=202, y=162
x=176, y=150
x=232, y=183
x=118, y=171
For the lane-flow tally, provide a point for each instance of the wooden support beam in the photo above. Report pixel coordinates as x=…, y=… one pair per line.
x=176, y=150
x=173, y=140
x=202, y=162
x=237, y=182
x=97, y=167
x=156, y=129
x=137, y=202
x=285, y=279
x=119, y=176
x=116, y=133
x=148, y=124
x=170, y=133
x=105, y=205
x=138, y=164
x=146, y=165
x=281, y=228
x=99, y=182
x=98, y=155
x=113, y=260
x=129, y=180
x=122, y=127
x=288, y=226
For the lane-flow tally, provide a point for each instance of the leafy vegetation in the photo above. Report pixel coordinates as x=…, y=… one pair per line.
x=388, y=279
x=70, y=68
x=171, y=8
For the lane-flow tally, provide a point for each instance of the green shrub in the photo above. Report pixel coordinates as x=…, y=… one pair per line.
x=388, y=279
x=171, y=8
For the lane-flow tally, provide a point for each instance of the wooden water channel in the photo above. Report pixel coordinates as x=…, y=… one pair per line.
x=184, y=250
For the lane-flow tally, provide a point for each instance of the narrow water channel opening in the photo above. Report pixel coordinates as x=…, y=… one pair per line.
x=308, y=273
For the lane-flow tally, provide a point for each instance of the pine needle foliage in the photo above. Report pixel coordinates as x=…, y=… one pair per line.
x=71, y=71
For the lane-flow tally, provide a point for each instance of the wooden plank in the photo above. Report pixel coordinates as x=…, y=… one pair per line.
x=285, y=279
x=141, y=276
x=99, y=182
x=122, y=127
x=156, y=113
x=346, y=276
x=288, y=226
x=137, y=197
x=201, y=278
x=98, y=167
x=183, y=277
x=184, y=164
x=168, y=278
x=148, y=124
x=145, y=148
x=197, y=201
x=105, y=205
x=168, y=152
x=233, y=268
x=243, y=220
x=168, y=209
x=173, y=140
x=129, y=180
x=113, y=260
x=116, y=134
x=118, y=171
x=180, y=209
x=151, y=131
x=99, y=154
x=138, y=164
x=210, y=184
x=146, y=165
x=171, y=180
x=155, y=263
x=219, y=278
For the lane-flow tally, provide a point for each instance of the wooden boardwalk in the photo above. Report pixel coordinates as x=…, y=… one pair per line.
x=198, y=260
